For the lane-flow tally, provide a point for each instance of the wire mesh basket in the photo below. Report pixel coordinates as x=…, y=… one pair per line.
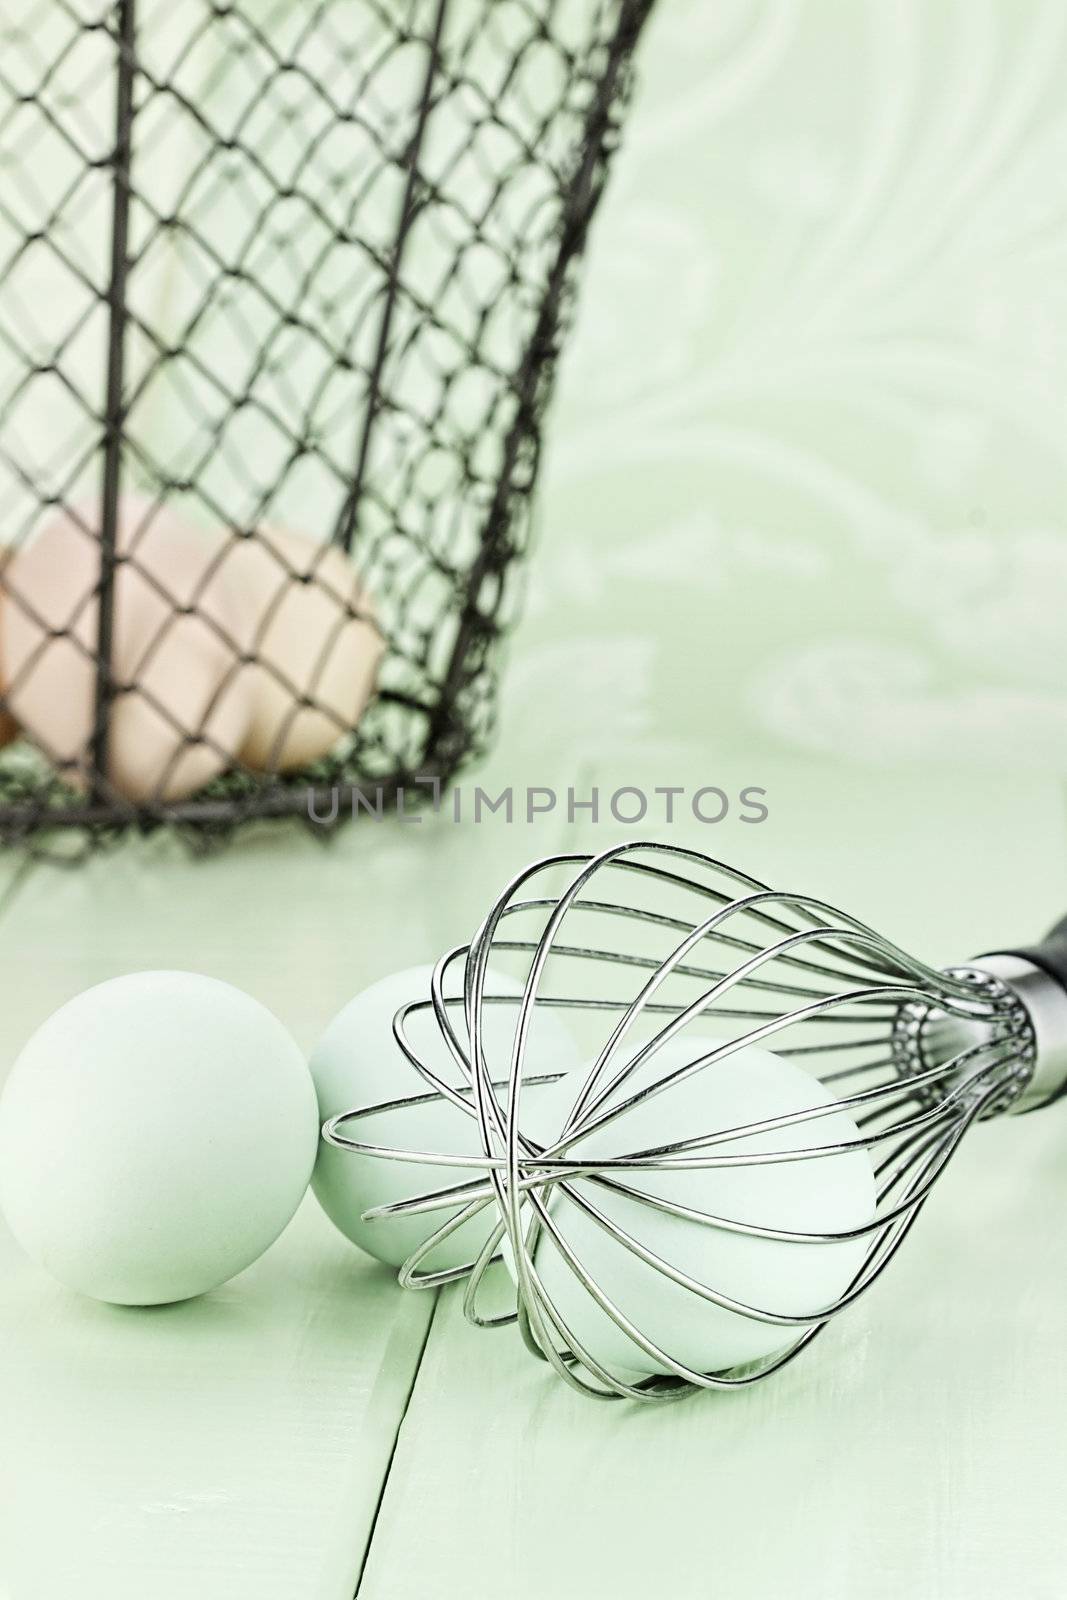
x=283, y=290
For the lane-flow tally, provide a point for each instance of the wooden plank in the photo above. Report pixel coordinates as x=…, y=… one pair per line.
x=237, y=1443
x=917, y=1448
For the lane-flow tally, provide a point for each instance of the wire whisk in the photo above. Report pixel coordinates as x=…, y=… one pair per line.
x=684, y=1148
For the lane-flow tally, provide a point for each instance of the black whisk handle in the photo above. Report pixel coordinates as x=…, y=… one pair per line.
x=1049, y=955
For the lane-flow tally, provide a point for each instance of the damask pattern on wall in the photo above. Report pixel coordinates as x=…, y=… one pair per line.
x=808, y=475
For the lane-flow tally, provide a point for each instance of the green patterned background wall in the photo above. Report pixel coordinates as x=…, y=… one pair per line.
x=808, y=479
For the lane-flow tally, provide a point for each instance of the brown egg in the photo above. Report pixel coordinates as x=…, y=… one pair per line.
x=297, y=599
x=180, y=715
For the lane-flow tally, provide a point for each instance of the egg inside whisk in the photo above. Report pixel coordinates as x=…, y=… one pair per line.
x=725, y=1239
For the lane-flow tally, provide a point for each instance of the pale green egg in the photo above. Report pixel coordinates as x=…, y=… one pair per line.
x=818, y=1194
x=358, y=1063
x=156, y=1135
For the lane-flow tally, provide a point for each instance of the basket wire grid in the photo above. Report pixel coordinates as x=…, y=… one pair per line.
x=309, y=267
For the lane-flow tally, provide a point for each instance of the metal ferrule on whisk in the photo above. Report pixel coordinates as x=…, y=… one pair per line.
x=1045, y=1001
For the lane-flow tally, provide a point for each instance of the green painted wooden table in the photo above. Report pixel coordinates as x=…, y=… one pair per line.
x=311, y=1431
